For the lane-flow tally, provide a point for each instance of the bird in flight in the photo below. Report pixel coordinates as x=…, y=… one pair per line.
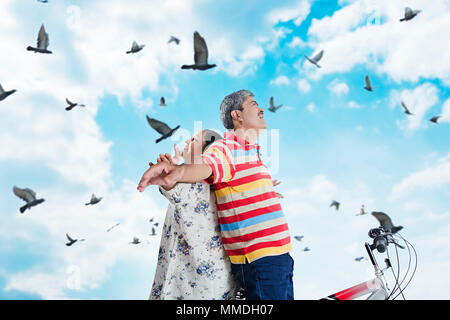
x=136, y=47
x=174, y=39
x=272, y=107
x=94, y=200
x=368, y=86
x=362, y=211
x=200, y=55
x=153, y=232
x=110, y=228
x=409, y=14
x=406, y=109
x=299, y=238
x=72, y=105
x=335, y=204
x=359, y=259
x=386, y=222
x=161, y=128
x=4, y=94
x=135, y=241
x=162, y=102
x=314, y=60
x=42, y=42
x=42, y=1
x=307, y=249
x=27, y=195
x=72, y=241
x=435, y=119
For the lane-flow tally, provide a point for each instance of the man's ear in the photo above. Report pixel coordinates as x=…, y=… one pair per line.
x=235, y=115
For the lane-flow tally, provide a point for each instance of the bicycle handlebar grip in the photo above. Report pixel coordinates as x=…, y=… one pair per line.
x=380, y=243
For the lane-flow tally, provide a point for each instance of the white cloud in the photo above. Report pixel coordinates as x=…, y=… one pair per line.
x=303, y=85
x=338, y=87
x=298, y=13
x=281, y=80
x=445, y=111
x=64, y=212
x=418, y=101
x=433, y=177
x=311, y=107
x=390, y=47
x=353, y=105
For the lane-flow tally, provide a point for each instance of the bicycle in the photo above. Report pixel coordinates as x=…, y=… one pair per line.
x=377, y=288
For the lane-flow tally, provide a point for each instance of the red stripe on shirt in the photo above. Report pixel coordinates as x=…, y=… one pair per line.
x=242, y=202
x=244, y=180
x=261, y=245
x=256, y=234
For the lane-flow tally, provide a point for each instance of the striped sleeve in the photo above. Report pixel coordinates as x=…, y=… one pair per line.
x=219, y=157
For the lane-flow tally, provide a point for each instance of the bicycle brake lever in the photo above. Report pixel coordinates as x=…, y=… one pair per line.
x=395, y=242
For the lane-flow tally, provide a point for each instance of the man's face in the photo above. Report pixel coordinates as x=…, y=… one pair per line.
x=252, y=116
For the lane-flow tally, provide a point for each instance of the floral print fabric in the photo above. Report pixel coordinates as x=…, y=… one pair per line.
x=192, y=263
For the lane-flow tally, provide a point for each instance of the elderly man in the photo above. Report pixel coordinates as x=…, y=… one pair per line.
x=254, y=230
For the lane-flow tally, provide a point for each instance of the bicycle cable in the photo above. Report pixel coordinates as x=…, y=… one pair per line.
x=397, y=285
x=409, y=262
x=415, y=266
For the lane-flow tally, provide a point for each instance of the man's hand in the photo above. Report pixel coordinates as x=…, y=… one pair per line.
x=162, y=174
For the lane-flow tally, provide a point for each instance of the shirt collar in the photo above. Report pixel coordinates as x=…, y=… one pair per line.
x=231, y=136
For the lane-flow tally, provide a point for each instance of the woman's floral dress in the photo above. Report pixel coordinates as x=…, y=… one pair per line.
x=192, y=263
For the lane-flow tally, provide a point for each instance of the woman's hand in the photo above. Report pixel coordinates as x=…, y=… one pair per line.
x=275, y=183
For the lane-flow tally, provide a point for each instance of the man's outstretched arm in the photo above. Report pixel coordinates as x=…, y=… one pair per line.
x=165, y=173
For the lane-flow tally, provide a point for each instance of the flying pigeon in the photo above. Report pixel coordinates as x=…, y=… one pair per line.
x=362, y=212
x=435, y=119
x=109, y=229
x=73, y=105
x=359, y=259
x=29, y=196
x=135, y=241
x=272, y=107
x=162, y=102
x=4, y=94
x=42, y=42
x=200, y=55
x=386, y=222
x=314, y=60
x=368, y=86
x=156, y=224
x=161, y=128
x=307, y=249
x=42, y=1
x=151, y=220
x=298, y=238
x=174, y=39
x=336, y=204
x=94, y=200
x=409, y=14
x=153, y=232
x=72, y=241
x=406, y=109
x=135, y=47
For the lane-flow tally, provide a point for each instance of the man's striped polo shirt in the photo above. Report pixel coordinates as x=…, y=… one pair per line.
x=252, y=222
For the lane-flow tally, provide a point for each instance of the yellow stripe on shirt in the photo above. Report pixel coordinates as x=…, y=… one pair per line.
x=243, y=187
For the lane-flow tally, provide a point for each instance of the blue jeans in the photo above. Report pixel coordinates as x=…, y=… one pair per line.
x=268, y=278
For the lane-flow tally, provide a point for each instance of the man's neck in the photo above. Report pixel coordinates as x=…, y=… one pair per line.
x=251, y=135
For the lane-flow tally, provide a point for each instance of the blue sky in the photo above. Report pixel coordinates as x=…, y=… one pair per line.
x=335, y=139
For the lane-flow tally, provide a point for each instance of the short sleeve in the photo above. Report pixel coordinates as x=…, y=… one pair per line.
x=220, y=158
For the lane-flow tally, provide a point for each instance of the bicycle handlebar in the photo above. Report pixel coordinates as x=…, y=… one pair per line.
x=380, y=239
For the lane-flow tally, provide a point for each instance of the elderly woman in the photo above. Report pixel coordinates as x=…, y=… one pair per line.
x=192, y=263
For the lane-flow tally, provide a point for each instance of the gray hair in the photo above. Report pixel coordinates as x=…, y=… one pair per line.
x=232, y=102
x=210, y=136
